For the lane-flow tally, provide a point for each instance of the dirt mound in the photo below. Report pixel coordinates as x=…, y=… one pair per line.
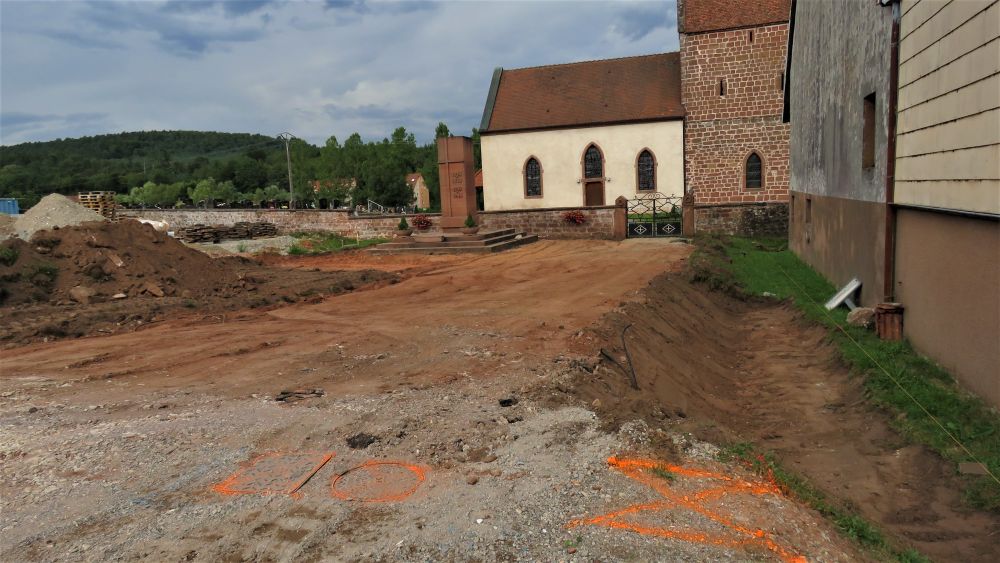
x=53, y=211
x=97, y=261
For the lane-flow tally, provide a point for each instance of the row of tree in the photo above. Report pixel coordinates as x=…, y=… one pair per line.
x=174, y=168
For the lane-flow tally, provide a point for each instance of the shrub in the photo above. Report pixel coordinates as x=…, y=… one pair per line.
x=422, y=222
x=8, y=256
x=403, y=225
x=470, y=222
x=574, y=217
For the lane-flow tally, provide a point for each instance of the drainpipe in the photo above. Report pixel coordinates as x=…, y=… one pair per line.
x=889, y=273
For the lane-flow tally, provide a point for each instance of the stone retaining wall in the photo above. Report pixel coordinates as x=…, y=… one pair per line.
x=753, y=220
x=549, y=223
x=335, y=220
x=546, y=223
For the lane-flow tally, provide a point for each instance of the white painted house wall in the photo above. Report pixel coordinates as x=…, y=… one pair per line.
x=560, y=152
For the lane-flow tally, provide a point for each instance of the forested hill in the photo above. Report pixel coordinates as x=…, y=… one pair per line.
x=183, y=168
x=121, y=161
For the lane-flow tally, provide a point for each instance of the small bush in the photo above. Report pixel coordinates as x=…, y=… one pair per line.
x=8, y=255
x=403, y=225
x=470, y=222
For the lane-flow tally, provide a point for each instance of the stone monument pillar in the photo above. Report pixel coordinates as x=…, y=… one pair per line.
x=457, y=179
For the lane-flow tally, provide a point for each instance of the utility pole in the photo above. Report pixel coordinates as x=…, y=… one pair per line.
x=287, y=138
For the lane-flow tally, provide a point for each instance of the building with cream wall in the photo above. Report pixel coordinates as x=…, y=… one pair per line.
x=583, y=134
x=560, y=152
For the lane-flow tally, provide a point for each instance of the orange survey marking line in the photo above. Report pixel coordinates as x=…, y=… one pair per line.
x=641, y=470
x=274, y=473
x=378, y=481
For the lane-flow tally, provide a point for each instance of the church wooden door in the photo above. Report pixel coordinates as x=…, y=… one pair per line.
x=594, y=193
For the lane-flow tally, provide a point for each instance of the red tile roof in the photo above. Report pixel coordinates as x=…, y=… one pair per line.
x=641, y=88
x=479, y=178
x=696, y=16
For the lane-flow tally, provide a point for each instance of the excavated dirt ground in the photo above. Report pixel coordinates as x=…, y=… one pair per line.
x=477, y=373
x=731, y=371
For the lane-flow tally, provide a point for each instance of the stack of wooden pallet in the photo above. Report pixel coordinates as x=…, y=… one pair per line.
x=199, y=233
x=215, y=233
x=100, y=202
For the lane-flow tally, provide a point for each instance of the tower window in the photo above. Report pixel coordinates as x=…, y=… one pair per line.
x=722, y=86
x=781, y=80
x=750, y=36
x=754, y=172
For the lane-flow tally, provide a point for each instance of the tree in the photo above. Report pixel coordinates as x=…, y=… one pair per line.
x=203, y=192
x=441, y=131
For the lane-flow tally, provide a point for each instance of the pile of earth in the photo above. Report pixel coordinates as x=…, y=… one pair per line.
x=99, y=261
x=52, y=212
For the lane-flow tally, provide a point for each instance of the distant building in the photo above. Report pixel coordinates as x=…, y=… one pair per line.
x=583, y=134
x=895, y=166
x=703, y=123
x=421, y=195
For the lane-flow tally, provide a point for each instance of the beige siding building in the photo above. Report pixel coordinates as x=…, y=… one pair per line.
x=895, y=159
x=947, y=186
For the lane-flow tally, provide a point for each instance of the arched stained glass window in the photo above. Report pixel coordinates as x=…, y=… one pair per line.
x=593, y=163
x=754, y=172
x=532, y=178
x=646, y=166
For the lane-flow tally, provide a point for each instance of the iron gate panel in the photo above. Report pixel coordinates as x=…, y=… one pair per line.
x=654, y=215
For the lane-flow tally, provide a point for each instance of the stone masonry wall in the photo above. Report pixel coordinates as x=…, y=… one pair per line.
x=754, y=220
x=337, y=221
x=546, y=223
x=721, y=131
x=549, y=223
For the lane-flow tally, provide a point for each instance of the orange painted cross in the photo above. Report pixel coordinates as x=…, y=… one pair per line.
x=642, y=470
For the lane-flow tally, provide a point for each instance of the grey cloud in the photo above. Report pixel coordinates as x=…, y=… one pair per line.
x=291, y=66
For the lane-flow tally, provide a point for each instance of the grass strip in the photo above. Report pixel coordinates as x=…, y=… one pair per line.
x=752, y=269
x=848, y=522
x=324, y=242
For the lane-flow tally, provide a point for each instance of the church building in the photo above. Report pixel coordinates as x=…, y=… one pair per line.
x=703, y=124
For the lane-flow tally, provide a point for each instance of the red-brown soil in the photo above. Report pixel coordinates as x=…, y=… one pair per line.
x=736, y=371
x=155, y=276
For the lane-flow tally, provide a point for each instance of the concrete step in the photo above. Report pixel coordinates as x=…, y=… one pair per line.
x=454, y=248
x=452, y=241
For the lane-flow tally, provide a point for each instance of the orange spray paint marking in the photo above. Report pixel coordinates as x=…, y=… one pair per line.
x=378, y=481
x=641, y=470
x=274, y=473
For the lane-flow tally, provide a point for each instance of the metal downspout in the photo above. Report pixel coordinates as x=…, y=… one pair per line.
x=888, y=277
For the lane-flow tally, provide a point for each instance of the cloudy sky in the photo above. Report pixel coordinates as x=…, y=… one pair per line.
x=315, y=69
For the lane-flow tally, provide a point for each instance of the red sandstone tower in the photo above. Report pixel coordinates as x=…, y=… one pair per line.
x=732, y=85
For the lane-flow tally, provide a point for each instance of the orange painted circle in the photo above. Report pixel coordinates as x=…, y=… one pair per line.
x=378, y=481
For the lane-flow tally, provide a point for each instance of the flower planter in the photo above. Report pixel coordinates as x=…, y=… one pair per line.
x=404, y=232
x=470, y=230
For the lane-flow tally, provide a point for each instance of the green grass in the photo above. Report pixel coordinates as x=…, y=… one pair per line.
x=749, y=268
x=663, y=474
x=322, y=243
x=848, y=522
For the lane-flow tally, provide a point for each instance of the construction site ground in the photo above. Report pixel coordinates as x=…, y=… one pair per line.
x=466, y=414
